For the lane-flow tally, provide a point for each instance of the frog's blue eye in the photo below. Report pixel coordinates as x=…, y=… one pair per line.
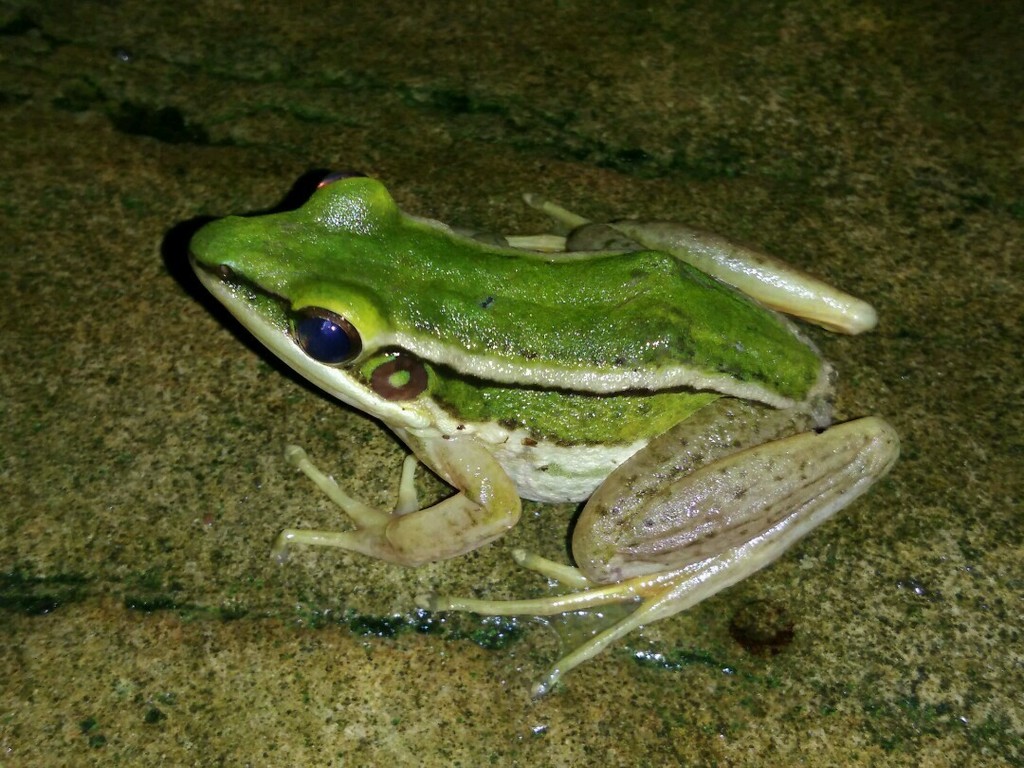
x=325, y=336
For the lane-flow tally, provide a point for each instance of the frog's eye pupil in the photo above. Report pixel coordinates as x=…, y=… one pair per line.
x=326, y=337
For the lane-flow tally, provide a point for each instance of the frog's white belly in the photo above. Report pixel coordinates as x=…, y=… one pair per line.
x=541, y=471
x=547, y=472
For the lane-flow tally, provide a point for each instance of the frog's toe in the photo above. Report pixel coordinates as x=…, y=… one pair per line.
x=430, y=601
x=565, y=575
x=279, y=552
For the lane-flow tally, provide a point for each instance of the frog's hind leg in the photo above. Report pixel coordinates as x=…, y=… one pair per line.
x=826, y=472
x=662, y=594
x=565, y=217
x=566, y=221
x=581, y=235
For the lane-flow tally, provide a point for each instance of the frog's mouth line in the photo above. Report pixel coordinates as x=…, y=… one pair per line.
x=267, y=317
x=262, y=313
x=223, y=281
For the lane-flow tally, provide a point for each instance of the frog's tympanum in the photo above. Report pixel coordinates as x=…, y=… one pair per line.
x=643, y=367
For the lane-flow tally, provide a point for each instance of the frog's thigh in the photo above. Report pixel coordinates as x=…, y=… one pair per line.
x=718, y=537
x=744, y=509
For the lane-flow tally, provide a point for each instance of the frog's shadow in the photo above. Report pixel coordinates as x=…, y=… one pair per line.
x=174, y=252
x=174, y=247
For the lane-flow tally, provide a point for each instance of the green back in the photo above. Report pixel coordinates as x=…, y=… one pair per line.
x=641, y=311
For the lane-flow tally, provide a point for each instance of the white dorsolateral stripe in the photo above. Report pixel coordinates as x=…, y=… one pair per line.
x=599, y=381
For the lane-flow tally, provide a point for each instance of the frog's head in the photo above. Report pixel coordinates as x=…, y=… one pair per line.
x=311, y=284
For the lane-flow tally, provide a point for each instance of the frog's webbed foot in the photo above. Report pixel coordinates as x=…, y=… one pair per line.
x=371, y=523
x=486, y=506
x=552, y=244
x=662, y=594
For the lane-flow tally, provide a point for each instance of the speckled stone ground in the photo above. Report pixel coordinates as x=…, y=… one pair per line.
x=142, y=620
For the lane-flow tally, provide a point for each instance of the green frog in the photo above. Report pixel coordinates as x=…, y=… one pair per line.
x=642, y=366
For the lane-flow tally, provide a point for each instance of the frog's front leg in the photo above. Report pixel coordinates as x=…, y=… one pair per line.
x=701, y=533
x=486, y=506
